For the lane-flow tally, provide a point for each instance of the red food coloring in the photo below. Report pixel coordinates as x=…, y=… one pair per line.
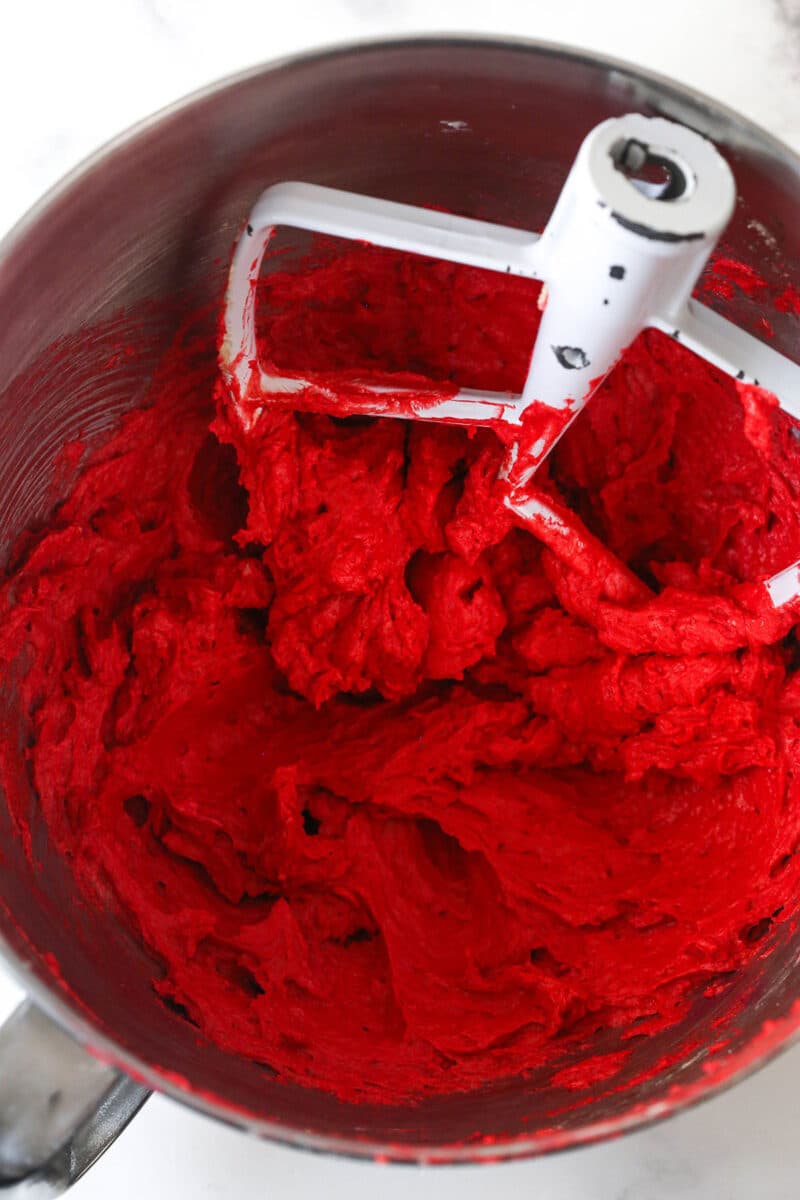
x=403, y=800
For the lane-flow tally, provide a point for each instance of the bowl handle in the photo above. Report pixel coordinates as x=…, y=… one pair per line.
x=60, y=1108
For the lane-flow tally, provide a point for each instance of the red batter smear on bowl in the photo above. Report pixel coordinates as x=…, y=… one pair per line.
x=399, y=801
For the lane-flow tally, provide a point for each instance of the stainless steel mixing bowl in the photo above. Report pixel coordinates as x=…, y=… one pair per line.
x=154, y=215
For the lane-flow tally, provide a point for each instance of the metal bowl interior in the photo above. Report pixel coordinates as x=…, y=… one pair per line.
x=153, y=217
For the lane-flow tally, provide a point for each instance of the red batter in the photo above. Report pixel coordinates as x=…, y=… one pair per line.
x=400, y=801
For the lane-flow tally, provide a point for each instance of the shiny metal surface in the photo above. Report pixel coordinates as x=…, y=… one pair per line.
x=60, y=1108
x=154, y=216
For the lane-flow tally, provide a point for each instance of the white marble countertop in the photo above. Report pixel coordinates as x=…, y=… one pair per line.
x=73, y=75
